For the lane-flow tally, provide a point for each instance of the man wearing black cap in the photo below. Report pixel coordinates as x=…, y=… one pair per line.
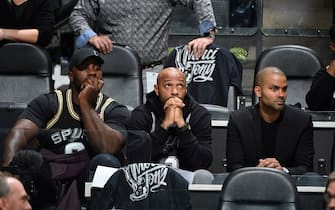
x=76, y=128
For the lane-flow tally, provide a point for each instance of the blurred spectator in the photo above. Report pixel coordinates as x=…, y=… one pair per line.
x=12, y=194
x=321, y=94
x=143, y=25
x=28, y=21
x=330, y=191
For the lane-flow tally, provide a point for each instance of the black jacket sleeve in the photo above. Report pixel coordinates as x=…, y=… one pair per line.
x=44, y=22
x=195, y=150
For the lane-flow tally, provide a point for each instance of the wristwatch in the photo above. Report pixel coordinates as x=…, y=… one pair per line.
x=210, y=33
x=185, y=127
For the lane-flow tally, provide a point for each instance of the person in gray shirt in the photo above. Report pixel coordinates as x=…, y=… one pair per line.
x=141, y=24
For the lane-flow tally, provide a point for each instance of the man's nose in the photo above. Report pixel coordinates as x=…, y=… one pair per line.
x=174, y=91
x=282, y=93
x=91, y=71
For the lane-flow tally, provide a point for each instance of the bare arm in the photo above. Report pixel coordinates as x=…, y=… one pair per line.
x=22, y=35
x=102, y=137
x=23, y=131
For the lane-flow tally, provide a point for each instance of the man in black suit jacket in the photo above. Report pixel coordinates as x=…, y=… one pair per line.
x=270, y=133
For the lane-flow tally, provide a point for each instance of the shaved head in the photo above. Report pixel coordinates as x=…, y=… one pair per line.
x=263, y=73
x=171, y=82
x=167, y=72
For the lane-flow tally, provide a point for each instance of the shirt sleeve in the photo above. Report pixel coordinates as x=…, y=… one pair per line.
x=44, y=22
x=195, y=149
x=204, y=12
x=82, y=19
x=41, y=109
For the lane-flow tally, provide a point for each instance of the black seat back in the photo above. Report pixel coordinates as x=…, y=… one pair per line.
x=25, y=72
x=254, y=188
x=122, y=75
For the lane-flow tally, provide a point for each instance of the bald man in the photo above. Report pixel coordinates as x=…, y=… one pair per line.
x=12, y=194
x=270, y=133
x=330, y=191
x=177, y=124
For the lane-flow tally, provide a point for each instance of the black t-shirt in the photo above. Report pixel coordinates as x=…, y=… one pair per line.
x=59, y=119
x=269, y=134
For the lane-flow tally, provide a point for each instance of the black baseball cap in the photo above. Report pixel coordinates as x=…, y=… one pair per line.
x=80, y=55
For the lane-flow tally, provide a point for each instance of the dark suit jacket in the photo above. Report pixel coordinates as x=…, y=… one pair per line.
x=294, y=144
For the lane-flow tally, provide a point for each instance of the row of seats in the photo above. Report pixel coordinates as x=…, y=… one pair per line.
x=247, y=188
x=26, y=71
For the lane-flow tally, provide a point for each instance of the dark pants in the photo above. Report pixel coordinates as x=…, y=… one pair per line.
x=48, y=189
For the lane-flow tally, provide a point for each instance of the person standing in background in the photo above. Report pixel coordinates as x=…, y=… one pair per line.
x=330, y=191
x=142, y=25
x=321, y=94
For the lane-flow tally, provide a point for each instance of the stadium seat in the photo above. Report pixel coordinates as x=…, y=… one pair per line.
x=122, y=76
x=254, y=188
x=25, y=72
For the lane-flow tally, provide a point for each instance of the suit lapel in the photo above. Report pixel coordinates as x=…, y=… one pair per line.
x=256, y=123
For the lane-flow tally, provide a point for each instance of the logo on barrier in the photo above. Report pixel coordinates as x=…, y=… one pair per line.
x=145, y=178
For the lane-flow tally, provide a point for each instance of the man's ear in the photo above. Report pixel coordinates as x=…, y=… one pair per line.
x=70, y=75
x=258, y=91
x=3, y=203
x=156, y=89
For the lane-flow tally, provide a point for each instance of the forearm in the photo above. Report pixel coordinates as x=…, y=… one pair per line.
x=82, y=16
x=102, y=137
x=23, y=35
x=205, y=15
x=17, y=139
